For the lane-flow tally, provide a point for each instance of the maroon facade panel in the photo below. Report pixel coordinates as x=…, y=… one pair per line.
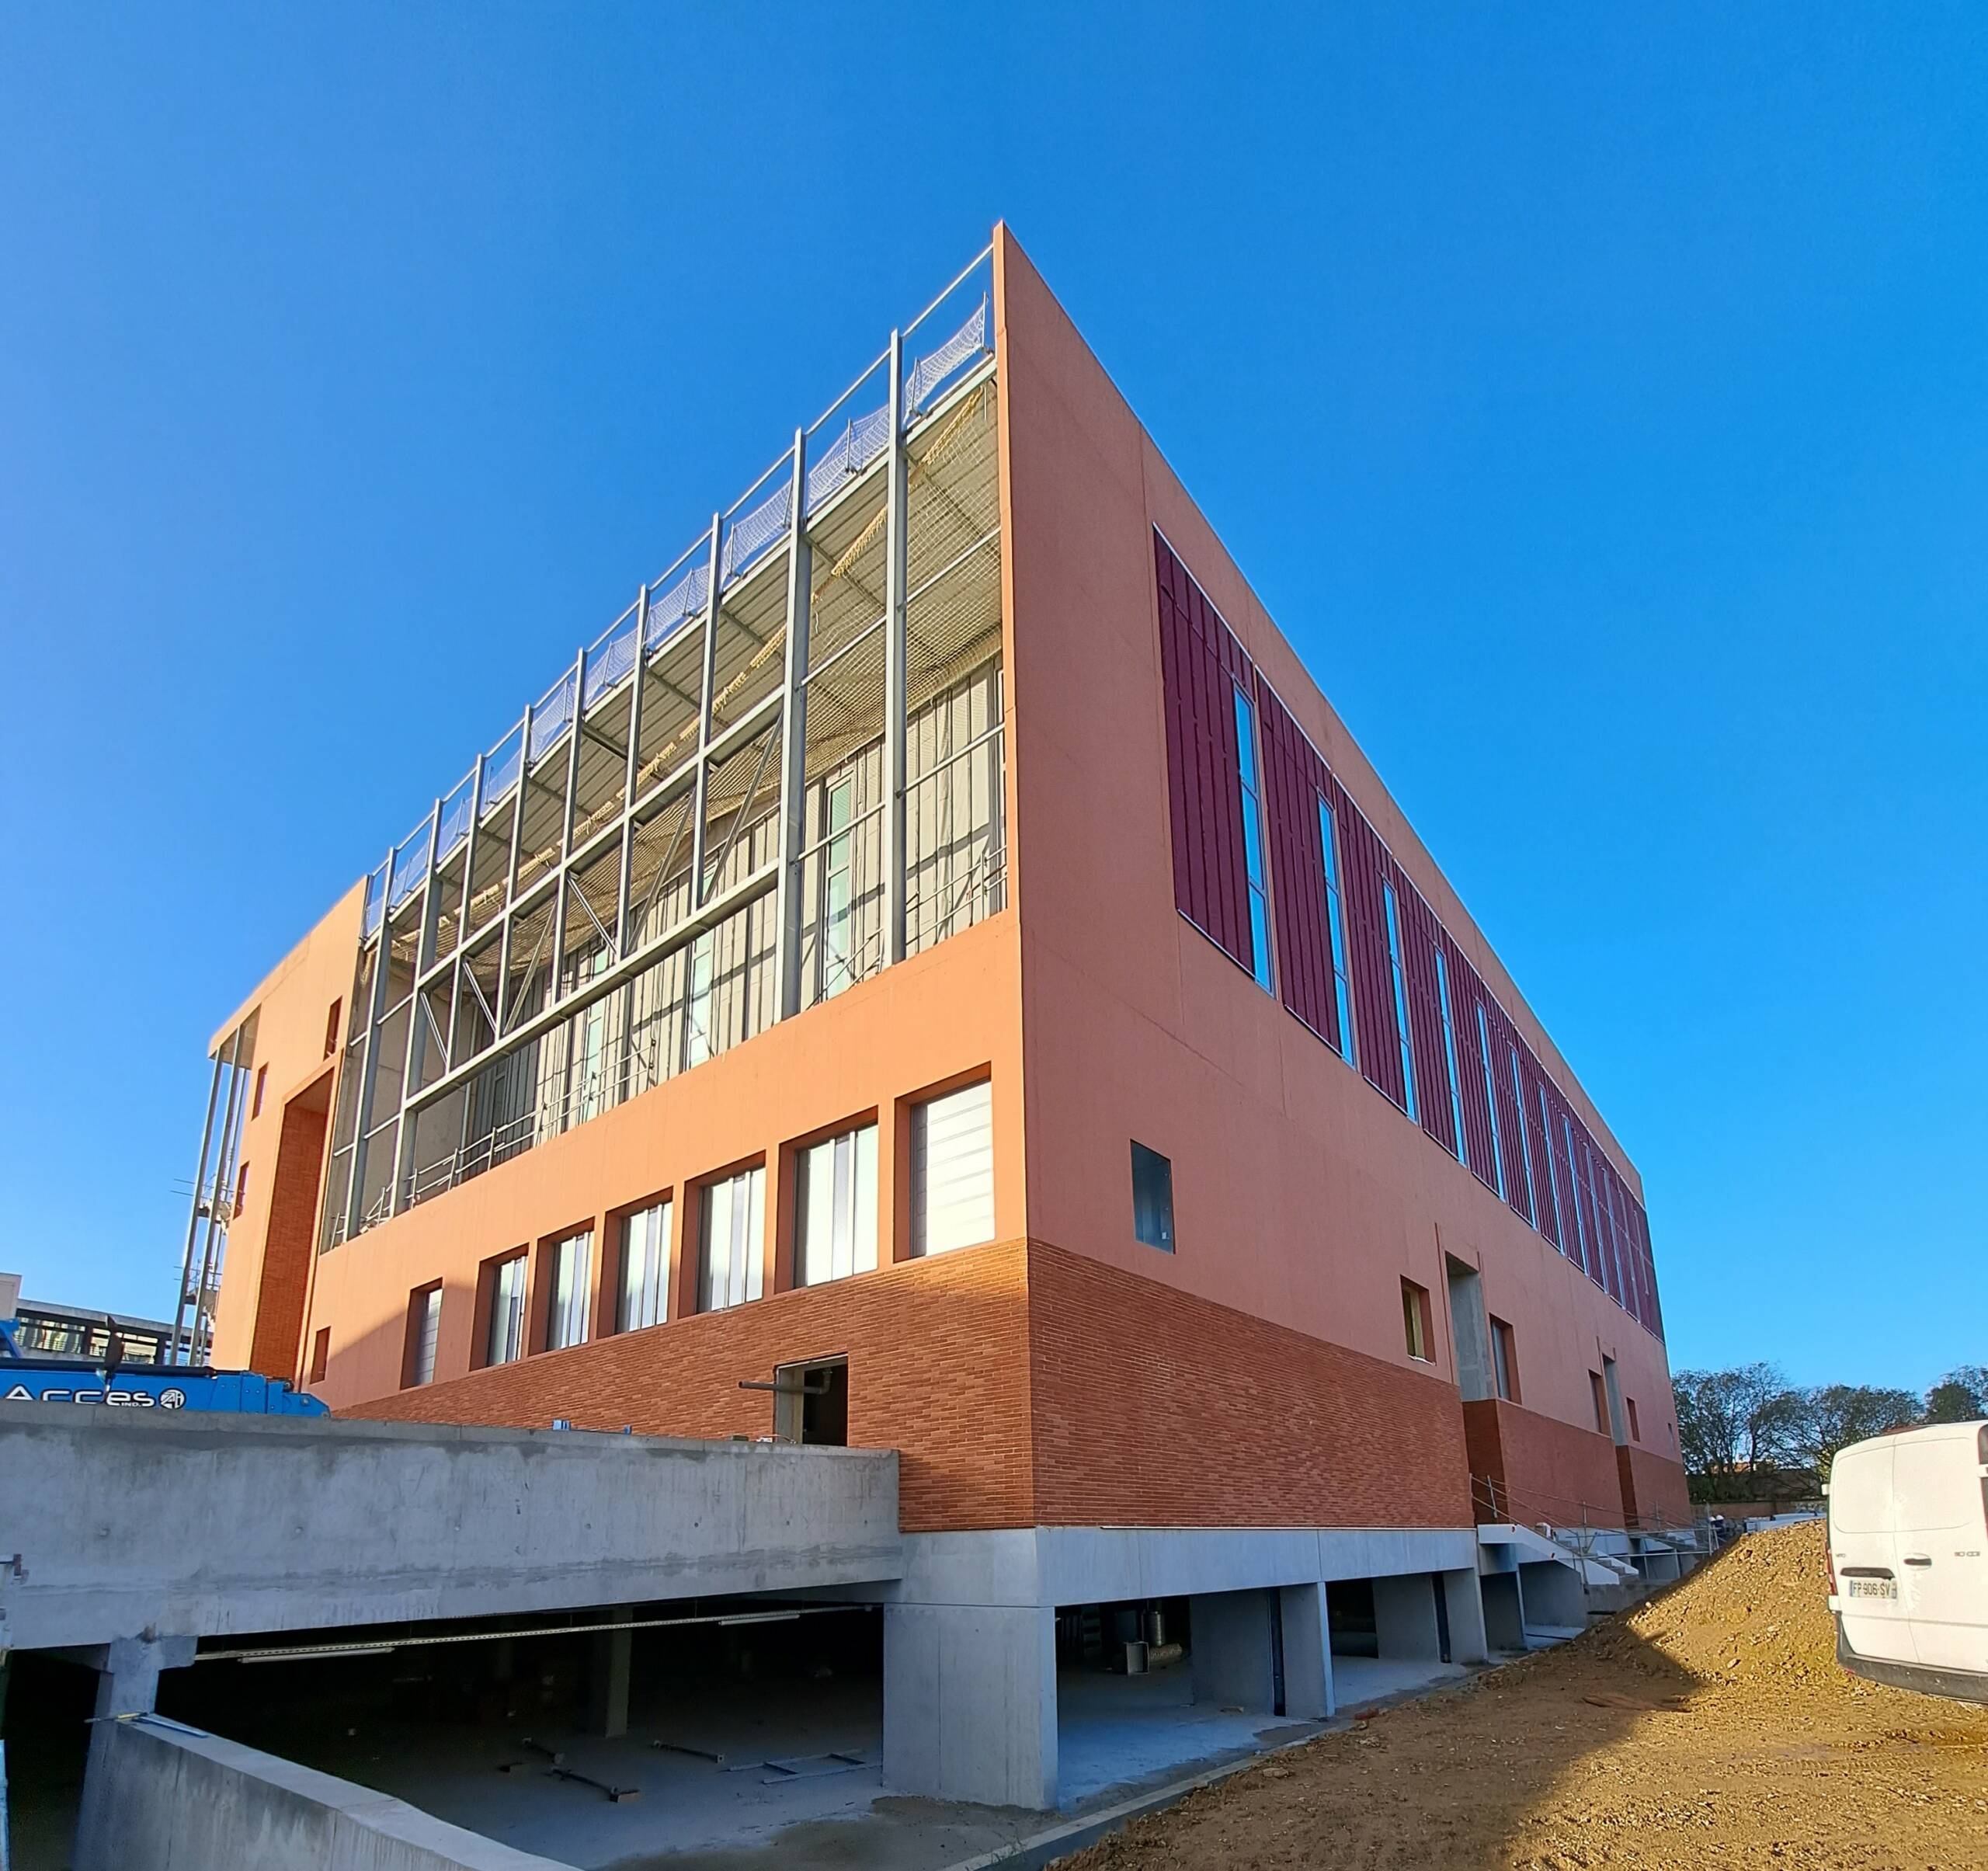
x=1555, y=1175
x=1294, y=783
x=1201, y=663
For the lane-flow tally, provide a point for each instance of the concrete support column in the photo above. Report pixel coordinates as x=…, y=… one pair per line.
x=1405, y=1616
x=1554, y=1598
x=1464, y=1600
x=608, y=1676
x=970, y=1702
x=1230, y=1649
x=1308, y=1653
x=1504, y=1611
x=127, y=1684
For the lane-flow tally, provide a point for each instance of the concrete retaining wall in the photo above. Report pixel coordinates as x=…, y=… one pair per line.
x=205, y=1526
x=173, y=1799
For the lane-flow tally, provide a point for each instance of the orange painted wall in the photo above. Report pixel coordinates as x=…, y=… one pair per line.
x=1302, y=1195
x=291, y=1006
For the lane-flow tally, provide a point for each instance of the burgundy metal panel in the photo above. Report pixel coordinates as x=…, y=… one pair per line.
x=1510, y=1131
x=1419, y=934
x=1294, y=782
x=1363, y=862
x=1465, y=992
x=1201, y=663
x=1546, y=1198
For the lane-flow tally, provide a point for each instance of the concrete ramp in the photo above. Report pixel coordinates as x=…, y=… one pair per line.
x=204, y=1526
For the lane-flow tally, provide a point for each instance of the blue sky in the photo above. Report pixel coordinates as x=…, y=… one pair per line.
x=1596, y=396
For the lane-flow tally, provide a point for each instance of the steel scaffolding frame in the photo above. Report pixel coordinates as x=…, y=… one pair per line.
x=407, y=973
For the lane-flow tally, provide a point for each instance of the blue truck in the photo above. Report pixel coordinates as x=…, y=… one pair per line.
x=38, y=1377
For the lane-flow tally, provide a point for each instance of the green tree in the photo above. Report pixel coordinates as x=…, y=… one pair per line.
x=1833, y=1416
x=1738, y=1431
x=1960, y=1397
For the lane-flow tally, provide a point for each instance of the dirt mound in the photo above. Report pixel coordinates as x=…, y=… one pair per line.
x=1712, y=1729
x=1761, y=1614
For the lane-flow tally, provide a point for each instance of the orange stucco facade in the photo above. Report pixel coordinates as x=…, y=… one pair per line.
x=1064, y=1373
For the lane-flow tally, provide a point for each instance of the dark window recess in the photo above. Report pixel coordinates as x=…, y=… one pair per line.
x=332, y=1027
x=321, y=1354
x=1153, y=1199
x=811, y=1403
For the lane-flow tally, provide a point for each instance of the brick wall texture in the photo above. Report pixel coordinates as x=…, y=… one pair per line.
x=1547, y=1469
x=1027, y=1385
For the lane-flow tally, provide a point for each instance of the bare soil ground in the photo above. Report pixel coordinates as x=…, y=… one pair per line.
x=1711, y=1726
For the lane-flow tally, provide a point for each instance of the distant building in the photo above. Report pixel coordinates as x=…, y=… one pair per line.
x=45, y=1327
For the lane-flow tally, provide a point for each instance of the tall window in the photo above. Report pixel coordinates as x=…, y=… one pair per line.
x=1504, y=1361
x=952, y=1170
x=1490, y=1095
x=1574, y=1184
x=1411, y=1103
x=1552, y=1174
x=1450, y=1054
x=1416, y=1325
x=1252, y=838
x=1525, y=1152
x=506, y=1338
x=838, y=892
x=424, y=1332
x=262, y=1085
x=643, y=1297
x=570, y=1287
x=731, y=1231
x=1336, y=925
x=698, y=1006
x=1153, y=1199
x=834, y=1207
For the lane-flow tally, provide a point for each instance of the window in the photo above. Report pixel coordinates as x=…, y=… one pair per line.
x=1601, y=1396
x=1525, y=1151
x=262, y=1085
x=505, y=1338
x=424, y=1332
x=1153, y=1199
x=838, y=891
x=241, y=1189
x=697, y=1012
x=1450, y=1054
x=321, y=1354
x=1336, y=925
x=1415, y=1319
x=834, y=1207
x=568, y=1291
x=811, y=1403
x=332, y=1027
x=1410, y=1103
x=732, y=1236
x=1635, y=1426
x=1504, y=1361
x=952, y=1170
x=1253, y=839
x=1490, y=1097
x=644, y=1299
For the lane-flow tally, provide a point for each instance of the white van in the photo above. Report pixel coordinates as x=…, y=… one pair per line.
x=1909, y=1558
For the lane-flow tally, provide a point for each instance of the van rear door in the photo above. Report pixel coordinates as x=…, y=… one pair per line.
x=1863, y=1549
x=1943, y=1546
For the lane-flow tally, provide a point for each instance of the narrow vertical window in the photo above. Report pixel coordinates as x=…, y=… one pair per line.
x=838, y=892
x=1411, y=1103
x=1525, y=1154
x=834, y=1207
x=1253, y=839
x=571, y=1286
x=1574, y=1185
x=1552, y=1174
x=321, y=1353
x=1415, y=1319
x=1336, y=925
x=506, y=1339
x=1490, y=1097
x=1153, y=1199
x=1504, y=1361
x=262, y=1085
x=731, y=1225
x=1450, y=1054
x=424, y=1334
x=952, y=1170
x=697, y=1008
x=644, y=1300
x=1598, y=1395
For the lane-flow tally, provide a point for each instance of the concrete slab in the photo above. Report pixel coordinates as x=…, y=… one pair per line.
x=1360, y=1682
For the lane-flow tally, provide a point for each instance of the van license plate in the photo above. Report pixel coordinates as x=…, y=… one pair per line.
x=1873, y=1588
